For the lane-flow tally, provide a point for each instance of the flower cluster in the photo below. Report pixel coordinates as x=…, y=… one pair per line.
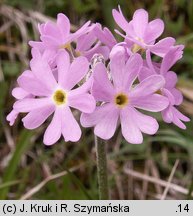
x=110, y=82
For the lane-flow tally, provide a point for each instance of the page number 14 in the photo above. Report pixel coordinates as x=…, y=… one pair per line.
x=182, y=208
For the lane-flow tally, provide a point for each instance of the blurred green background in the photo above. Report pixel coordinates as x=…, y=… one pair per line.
x=29, y=170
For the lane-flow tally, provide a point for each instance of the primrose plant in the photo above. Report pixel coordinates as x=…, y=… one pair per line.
x=108, y=82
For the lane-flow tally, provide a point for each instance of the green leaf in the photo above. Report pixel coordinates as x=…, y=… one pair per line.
x=9, y=173
x=9, y=184
x=79, y=184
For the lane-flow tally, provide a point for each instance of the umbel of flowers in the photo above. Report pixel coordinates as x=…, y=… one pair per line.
x=108, y=82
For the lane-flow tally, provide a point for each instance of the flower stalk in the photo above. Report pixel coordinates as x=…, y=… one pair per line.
x=102, y=169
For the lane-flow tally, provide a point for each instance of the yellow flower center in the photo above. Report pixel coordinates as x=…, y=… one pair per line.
x=137, y=47
x=78, y=53
x=59, y=97
x=65, y=46
x=158, y=92
x=121, y=100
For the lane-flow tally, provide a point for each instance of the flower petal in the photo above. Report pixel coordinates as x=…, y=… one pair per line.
x=172, y=115
x=130, y=129
x=154, y=30
x=117, y=65
x=19, y=93
x=179, y=123
x=165, y=92
x=33, y=86
x=152, y=103
x=106, y=127
x=70, y=128
x=146, y=124
x=37, y=45
x=120, y=20
x=140, y=21
x=83, y=102
x=37, y=117
x=85, y=42
x=148, y=86
x=97, y=49
x=63, y=65
x=11, y=117
x=171, y=79
x=174, y=54
x=102, y=89
x=90, y=120
x=84, y=88
x=50, y=42
x=105, y=35
x=81, y=31
x=50, y=56
x=43, y=72
x=132, y=69
x=52, y=30
x=63, y=24
x=29, y=104
x=180, y=115
x=167, y=115
x=163, y=46
x=54, y=130
x=177, y=96
x=76, y=72
x=144, y=73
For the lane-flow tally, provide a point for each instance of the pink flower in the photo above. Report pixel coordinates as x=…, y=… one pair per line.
x=121, y=99
x=19, y=94
x=141, y=34
x=170, y=114
x=88, y=45
x=55, y=96
x=12, y=116
x=55, y=36
x=105, y=36
x=48, y=56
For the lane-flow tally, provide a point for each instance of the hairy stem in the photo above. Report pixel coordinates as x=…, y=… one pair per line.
x=102, y=169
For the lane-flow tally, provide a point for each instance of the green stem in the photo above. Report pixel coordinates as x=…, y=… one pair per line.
x=102, y=169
